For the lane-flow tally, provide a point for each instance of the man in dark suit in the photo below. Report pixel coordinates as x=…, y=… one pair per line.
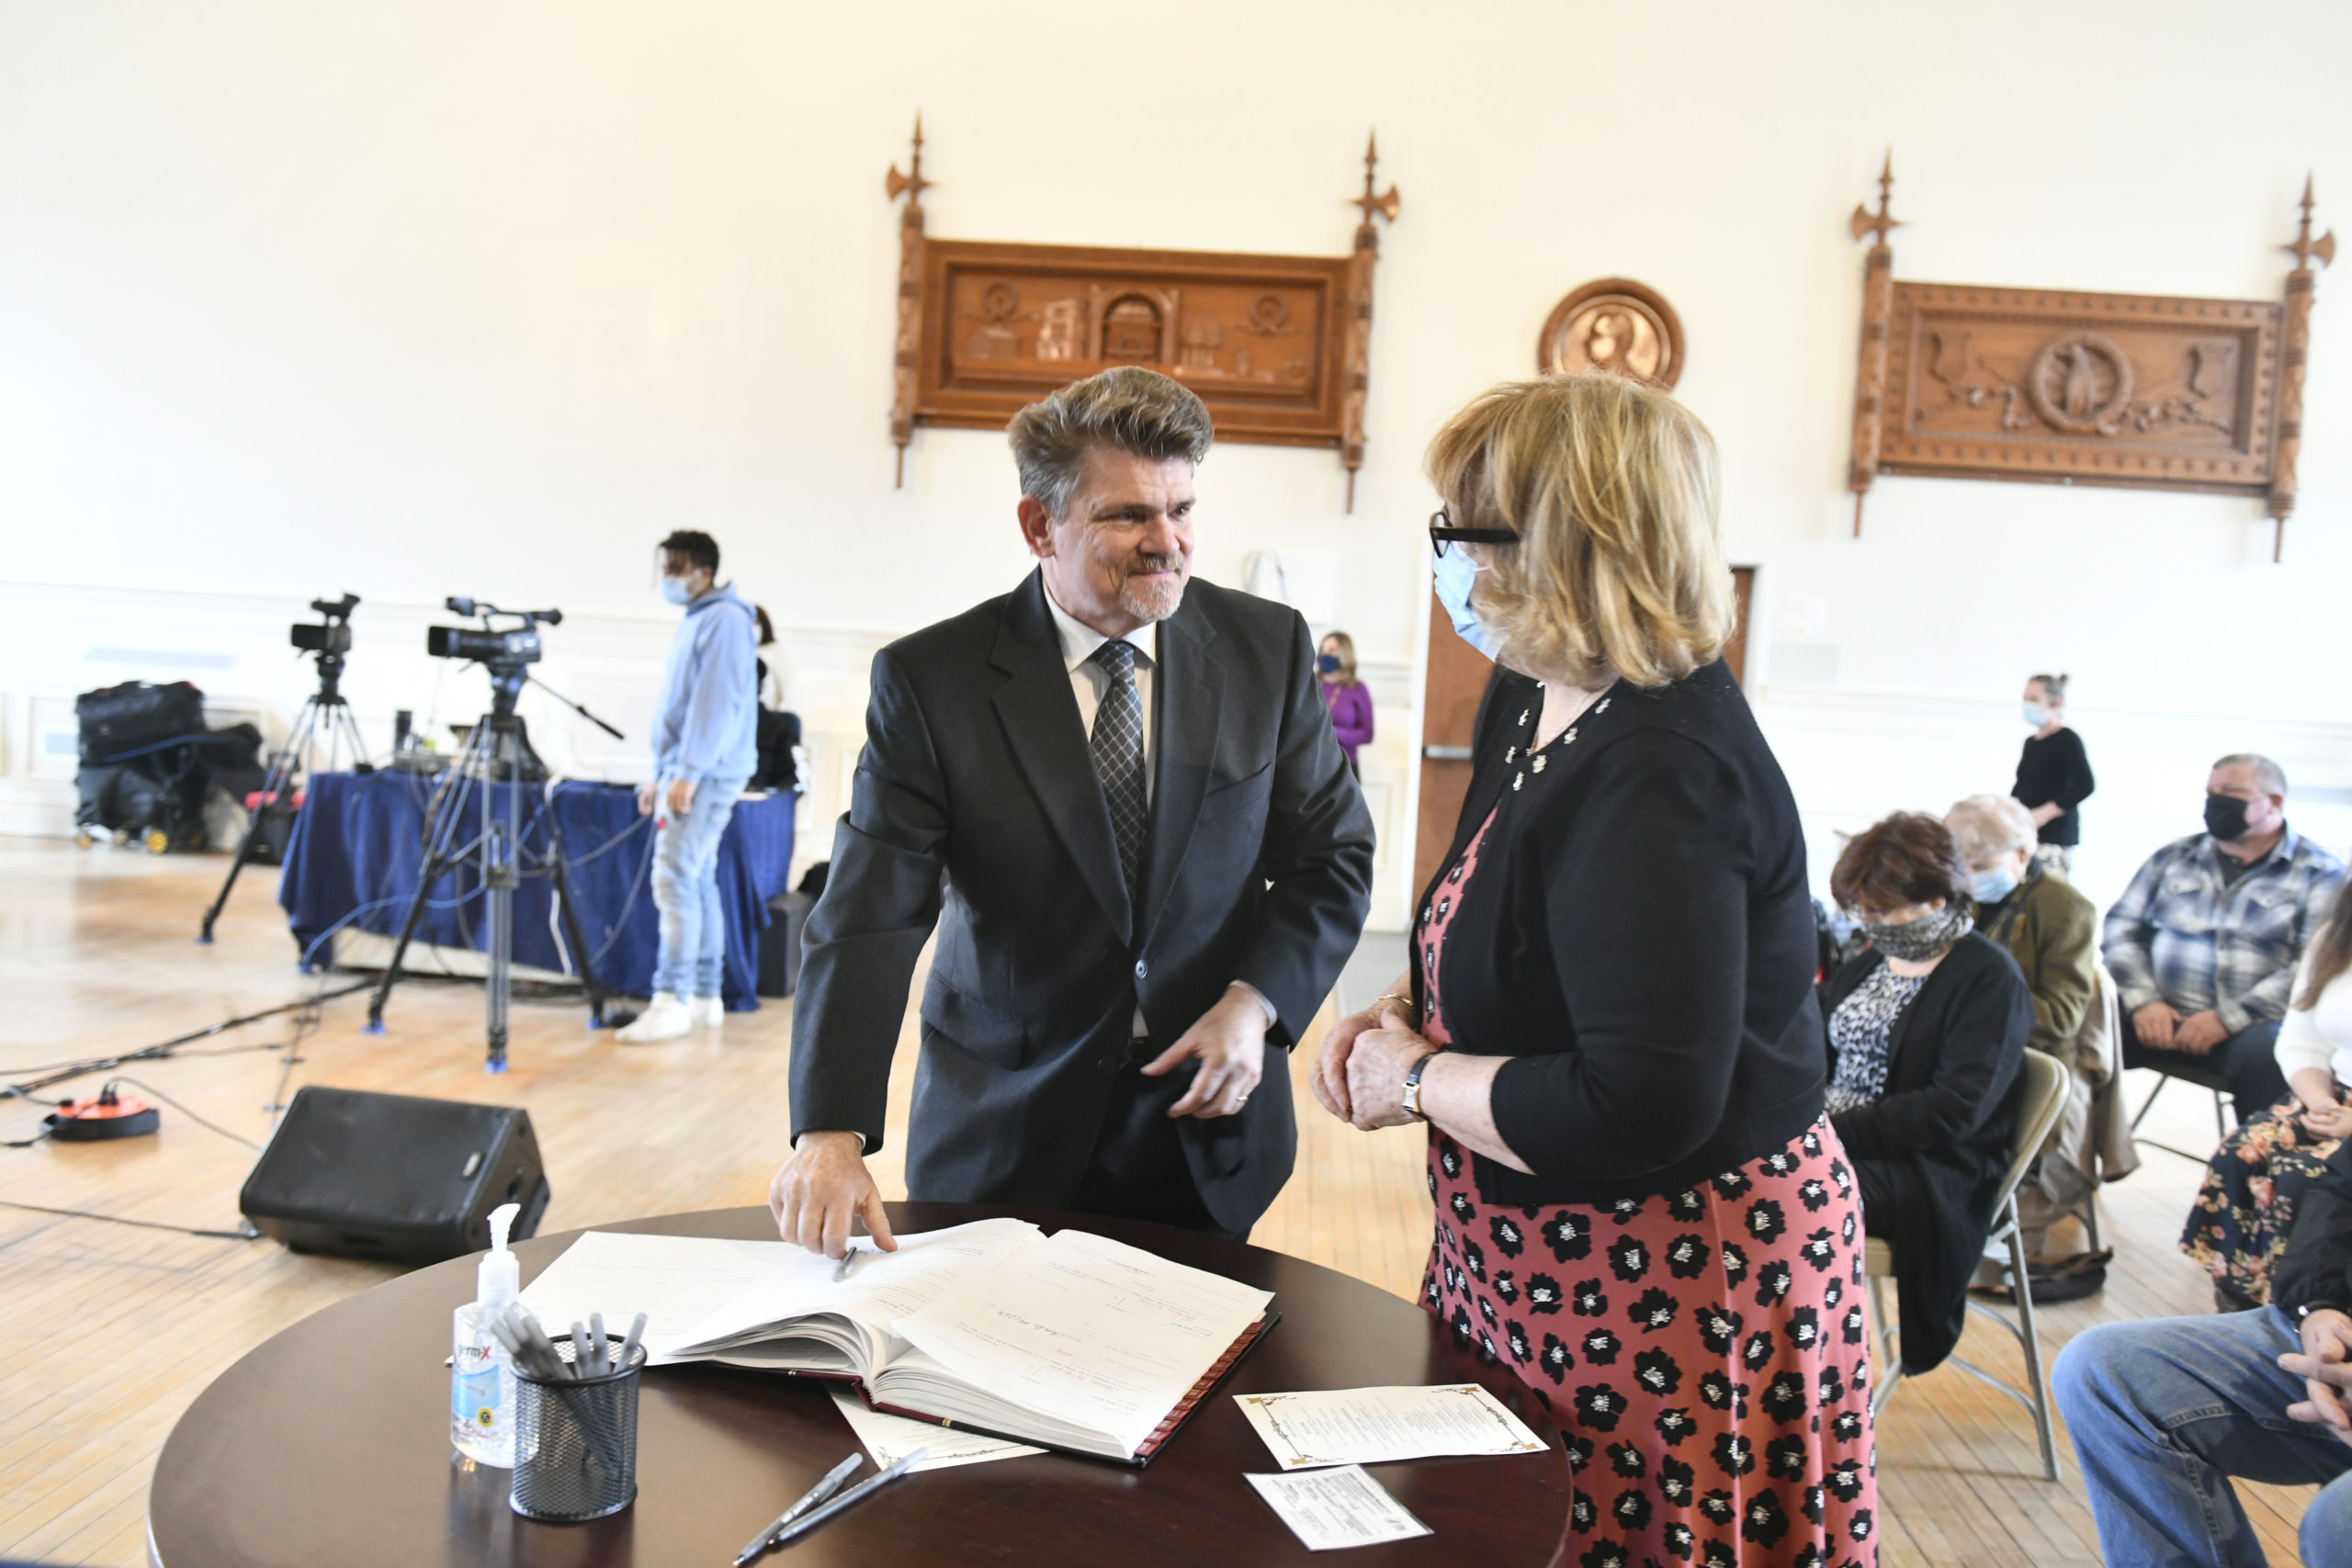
x=1117, y=796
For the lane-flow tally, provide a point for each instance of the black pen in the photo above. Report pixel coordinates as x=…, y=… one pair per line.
x=834, y=1481
x=848, y=1499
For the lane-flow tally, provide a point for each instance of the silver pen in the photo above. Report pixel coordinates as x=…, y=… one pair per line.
x=848, y=1499
x=849, y=1259
x=835, y=1480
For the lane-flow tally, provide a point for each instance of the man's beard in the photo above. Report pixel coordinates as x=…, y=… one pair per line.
x=1152, y=601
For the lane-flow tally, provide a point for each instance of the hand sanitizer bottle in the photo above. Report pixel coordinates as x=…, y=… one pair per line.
x=482, y=1376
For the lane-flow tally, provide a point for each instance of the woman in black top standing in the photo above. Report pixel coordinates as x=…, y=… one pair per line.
x=1610, y=1025
x=2053, y=772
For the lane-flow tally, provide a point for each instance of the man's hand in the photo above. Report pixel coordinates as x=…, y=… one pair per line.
x=645, y=799
x=2154, y=1024
x=1377, y=1069
x=682, y=796
x=2046, y=813
x=2325, y=1366
x=2199, y=1032
x=1230, y=1040
x=822, y=1189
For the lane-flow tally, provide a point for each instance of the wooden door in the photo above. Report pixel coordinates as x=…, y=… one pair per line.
x=1455, y=679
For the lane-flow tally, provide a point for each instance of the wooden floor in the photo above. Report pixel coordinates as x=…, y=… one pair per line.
x=116, y=1329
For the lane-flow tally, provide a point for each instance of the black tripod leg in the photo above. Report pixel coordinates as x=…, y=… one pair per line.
x=438, y=829
x=558, y=861
x=280, y=775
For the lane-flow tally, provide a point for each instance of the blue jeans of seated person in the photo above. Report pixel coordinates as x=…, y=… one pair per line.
x=2162, y=1412
x=685, y=888
x=2247, y=1062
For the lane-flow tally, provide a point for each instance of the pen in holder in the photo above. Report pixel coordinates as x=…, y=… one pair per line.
x=575, y=1439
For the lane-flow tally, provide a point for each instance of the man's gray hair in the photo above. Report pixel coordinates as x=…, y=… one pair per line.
x=2268, y=776
x=1986, y=826
x=1127, y=407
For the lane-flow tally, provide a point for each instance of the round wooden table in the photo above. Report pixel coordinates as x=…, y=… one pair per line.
x=329, y=1444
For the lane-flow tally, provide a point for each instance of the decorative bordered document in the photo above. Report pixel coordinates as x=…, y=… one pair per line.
x=1373, y=1426
x=1329, y=1508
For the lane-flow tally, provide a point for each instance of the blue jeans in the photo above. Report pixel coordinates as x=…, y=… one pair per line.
x=2164, y=1412
x=686, y=889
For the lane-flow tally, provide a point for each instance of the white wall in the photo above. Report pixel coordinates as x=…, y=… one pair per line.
x=422, y=298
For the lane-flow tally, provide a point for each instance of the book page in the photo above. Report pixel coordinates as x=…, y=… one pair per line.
x=1368, y=1425
x=1097, y=1334
x=1328, y=1509
x=676, y=1281
x=882, y=1287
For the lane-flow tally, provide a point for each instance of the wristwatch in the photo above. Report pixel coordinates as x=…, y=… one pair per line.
x=1413, y=1088
x=2304, y=1311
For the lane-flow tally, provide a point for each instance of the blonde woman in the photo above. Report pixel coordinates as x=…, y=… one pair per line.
x=1610, y=1024
x=1349, y=699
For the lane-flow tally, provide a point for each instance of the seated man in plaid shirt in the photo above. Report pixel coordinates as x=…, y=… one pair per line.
x=2203, y=944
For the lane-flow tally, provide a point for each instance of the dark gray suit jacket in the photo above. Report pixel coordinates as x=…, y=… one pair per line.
x=976, y=809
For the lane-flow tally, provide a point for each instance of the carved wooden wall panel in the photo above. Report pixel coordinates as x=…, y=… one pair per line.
x=1279, y=348
x=1967, y=382
x=2095, y=388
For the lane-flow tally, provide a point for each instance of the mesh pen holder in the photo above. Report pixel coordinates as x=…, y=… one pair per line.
x=575, y=1443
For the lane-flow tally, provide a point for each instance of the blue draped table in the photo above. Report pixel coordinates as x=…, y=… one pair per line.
x=357, y=849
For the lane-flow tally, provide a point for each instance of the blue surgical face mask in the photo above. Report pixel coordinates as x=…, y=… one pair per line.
x=673, y=588
x=1328, y=663
x=1992, y=886
x=2034, y=718
x=1453, y=574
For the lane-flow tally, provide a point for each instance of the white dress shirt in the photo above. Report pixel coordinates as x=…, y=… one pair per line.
x=1090, y=684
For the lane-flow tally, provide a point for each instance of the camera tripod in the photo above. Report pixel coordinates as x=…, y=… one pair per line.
x=497, y=750
x=324, y=726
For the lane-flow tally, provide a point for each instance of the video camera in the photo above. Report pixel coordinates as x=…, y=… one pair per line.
x=495, y=646
x=332, y=636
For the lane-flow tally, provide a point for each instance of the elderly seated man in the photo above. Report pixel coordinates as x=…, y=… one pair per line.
x=2203, y=942
x=2164, y=1413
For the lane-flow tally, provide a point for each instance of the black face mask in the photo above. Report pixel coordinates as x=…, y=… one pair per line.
x=2225, y=817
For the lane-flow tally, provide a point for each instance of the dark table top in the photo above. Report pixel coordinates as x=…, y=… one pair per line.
x=329, y=1444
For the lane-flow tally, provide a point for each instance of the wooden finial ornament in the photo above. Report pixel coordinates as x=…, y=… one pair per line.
x=1878, y=297
x=2296, y=339
x=1384, y=204
x=910, y=185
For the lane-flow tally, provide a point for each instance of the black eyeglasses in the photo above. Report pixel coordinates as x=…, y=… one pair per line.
x=1443, y=532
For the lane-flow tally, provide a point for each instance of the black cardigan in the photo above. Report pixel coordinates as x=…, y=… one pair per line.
x=1952, y=1067
x=1639, y=936
x=1947, y=1118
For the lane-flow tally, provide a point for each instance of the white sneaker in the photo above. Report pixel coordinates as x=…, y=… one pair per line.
x=664, y=1018
x=709, y=1012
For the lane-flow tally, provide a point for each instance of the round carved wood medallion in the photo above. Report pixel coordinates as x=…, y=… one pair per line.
x=1616, y=325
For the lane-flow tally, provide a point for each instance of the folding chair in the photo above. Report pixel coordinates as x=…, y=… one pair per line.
x=2045, y=1097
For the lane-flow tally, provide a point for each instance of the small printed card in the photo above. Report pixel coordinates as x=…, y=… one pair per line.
x=1329, y=1508
x=1373, y=1425
x=891, y=1437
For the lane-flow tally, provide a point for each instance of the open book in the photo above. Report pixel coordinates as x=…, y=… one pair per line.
x=1073, y=1341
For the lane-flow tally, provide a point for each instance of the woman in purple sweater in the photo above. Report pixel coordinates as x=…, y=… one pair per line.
x=1347, y=697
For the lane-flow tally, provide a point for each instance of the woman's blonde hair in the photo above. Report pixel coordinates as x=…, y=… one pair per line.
x=1612, y=487
x=1345, y=675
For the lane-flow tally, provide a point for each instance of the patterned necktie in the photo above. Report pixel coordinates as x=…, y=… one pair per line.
x=1118, y=745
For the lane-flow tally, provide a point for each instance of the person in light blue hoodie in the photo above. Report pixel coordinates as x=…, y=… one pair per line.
x=704, y=751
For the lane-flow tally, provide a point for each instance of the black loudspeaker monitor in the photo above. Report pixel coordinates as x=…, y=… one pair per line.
x=394, y=1177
